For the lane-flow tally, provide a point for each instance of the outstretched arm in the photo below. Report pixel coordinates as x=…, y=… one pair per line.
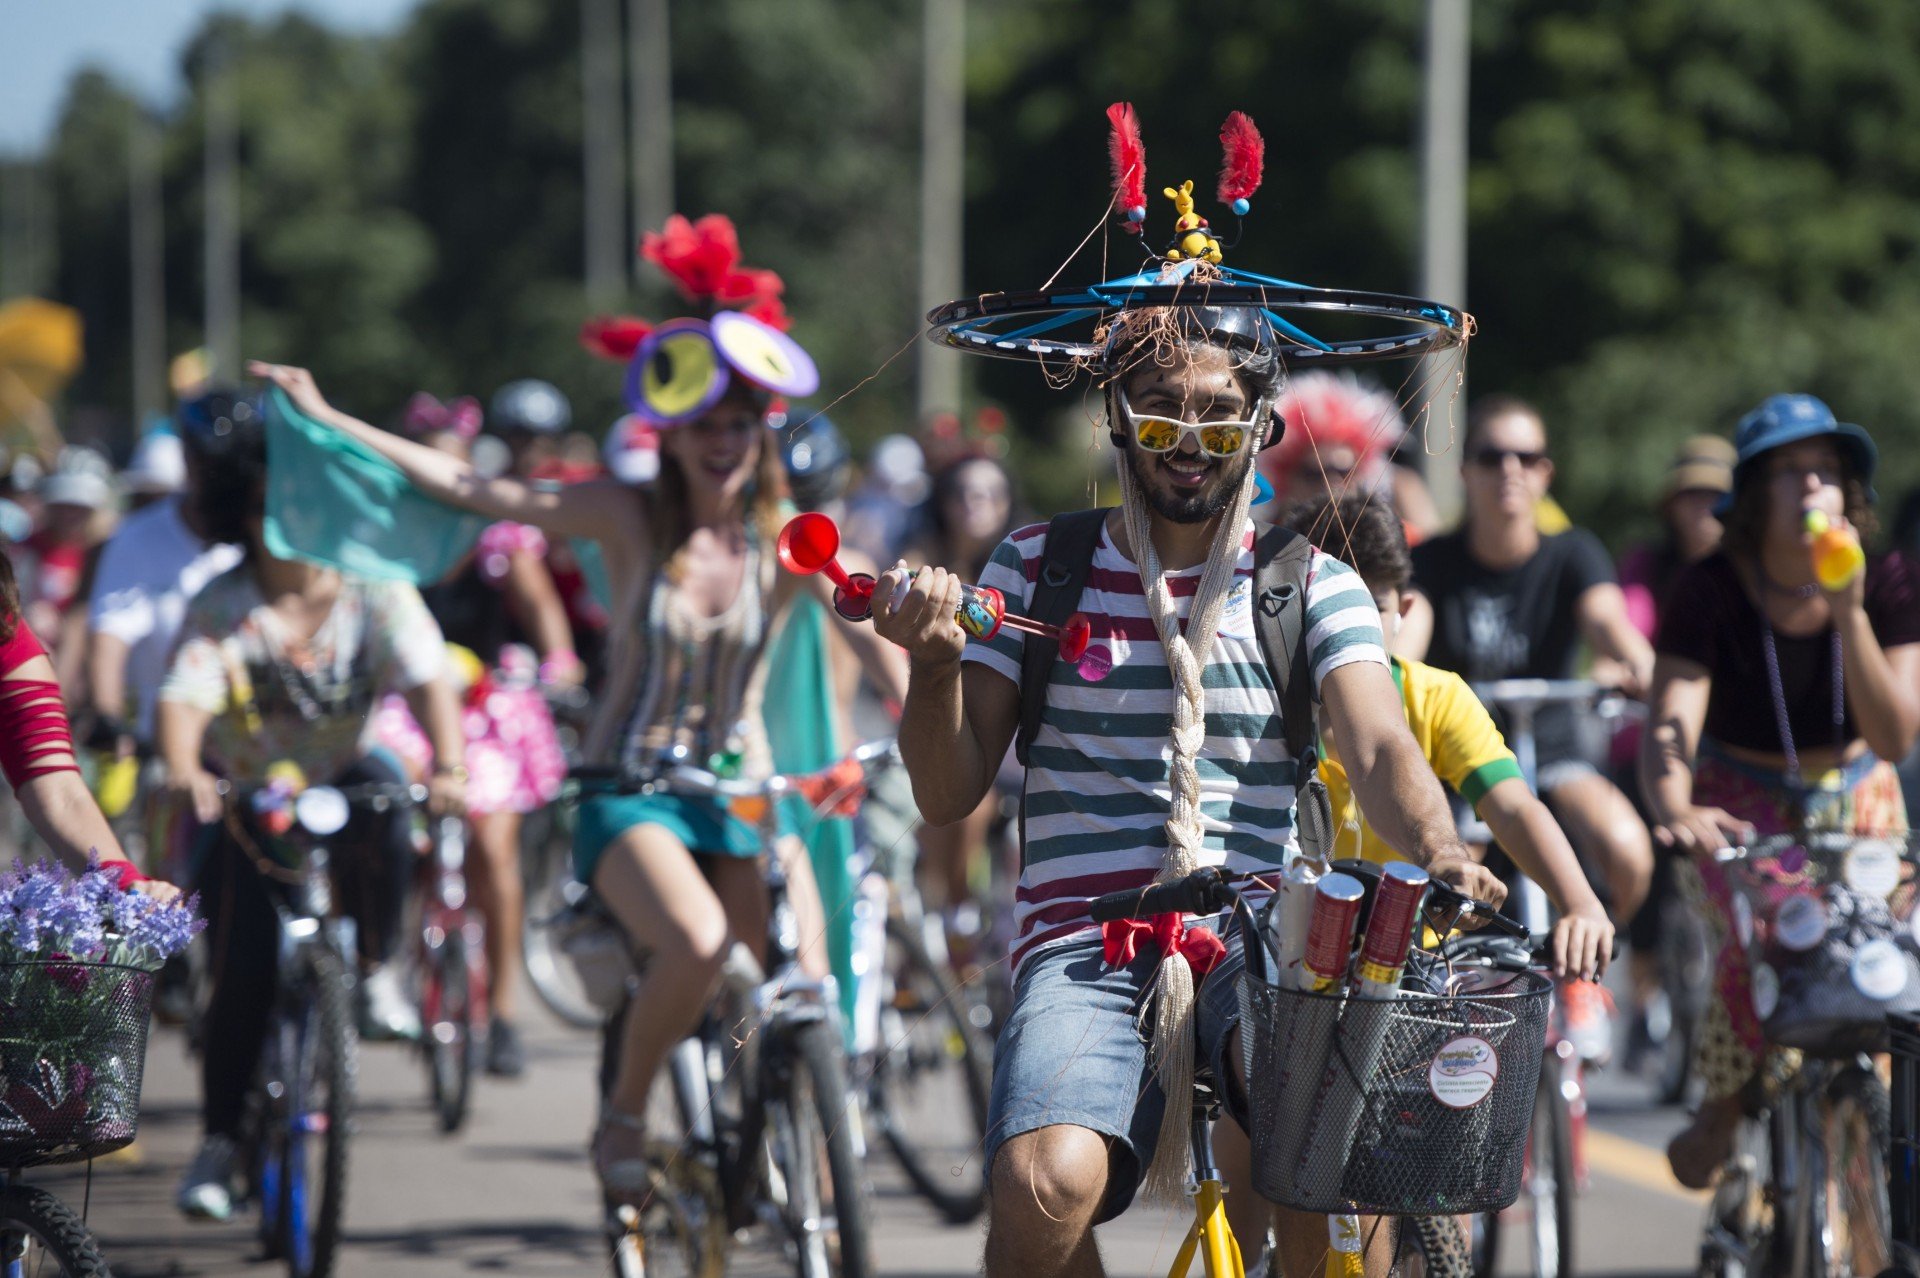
x=602, y=510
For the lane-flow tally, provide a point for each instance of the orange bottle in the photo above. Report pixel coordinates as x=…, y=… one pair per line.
x=1837, y=557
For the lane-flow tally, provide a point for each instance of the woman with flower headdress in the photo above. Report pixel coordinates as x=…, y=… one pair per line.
x=696, y=599
x=515, y=764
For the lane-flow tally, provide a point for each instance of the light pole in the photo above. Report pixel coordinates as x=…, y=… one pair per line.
x=650, y=103
x=222, y=227
x=605, y=210
x=1443, y=229
x=147, y=271
x=943, y=125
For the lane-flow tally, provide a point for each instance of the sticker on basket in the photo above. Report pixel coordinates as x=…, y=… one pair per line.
x=1463, y=1072
x=1801, y=923
x=1766, y=990
x=1873, y=867
x=1879, y=970
x=1742, y=919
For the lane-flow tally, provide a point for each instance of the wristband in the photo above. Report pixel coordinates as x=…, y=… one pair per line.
x=126, y=873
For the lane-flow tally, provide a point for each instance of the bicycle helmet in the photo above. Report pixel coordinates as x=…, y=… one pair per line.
x=817, y=460
x=529, y=405
x=218, y=422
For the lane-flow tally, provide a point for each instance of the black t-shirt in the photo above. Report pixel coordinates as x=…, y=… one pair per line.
x=1515, y=623
x=1720, y=630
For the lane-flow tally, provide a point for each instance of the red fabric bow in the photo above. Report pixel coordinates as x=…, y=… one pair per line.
x=1197, y=945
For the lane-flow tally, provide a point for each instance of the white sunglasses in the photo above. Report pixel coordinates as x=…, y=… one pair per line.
x=1222, y=439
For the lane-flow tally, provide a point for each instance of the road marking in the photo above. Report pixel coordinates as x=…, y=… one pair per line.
x=1631, y=1161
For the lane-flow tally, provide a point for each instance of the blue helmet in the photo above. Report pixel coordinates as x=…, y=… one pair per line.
x=817, y=460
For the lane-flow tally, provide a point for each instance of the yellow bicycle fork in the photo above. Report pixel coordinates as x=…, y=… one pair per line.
x=1212, y=1239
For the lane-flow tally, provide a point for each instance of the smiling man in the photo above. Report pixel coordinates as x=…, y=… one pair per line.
x=1170, y=755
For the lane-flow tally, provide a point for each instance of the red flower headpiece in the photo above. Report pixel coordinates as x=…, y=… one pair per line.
x=702, y=259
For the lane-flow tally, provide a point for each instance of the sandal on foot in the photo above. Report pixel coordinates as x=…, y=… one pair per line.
x=621, y=1177
x=1703, y=1146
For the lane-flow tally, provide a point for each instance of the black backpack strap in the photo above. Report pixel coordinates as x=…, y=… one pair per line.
x=1065, y=561
x=1281, y=558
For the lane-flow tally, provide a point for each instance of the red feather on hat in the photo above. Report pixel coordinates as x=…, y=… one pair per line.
x=1244, y=155
x=1129, y=156
x=614, y=337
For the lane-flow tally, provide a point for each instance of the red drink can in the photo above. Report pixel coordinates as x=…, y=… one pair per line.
x=1396, y=912
x=1336, y=915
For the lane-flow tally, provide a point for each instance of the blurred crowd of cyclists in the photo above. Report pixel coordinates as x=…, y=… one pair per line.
x=163, y=608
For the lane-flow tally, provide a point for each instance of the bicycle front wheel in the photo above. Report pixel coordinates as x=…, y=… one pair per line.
x=1433, y=1247
x=1546, y=1194
x=1849, y=1229
x=42, y=1237
x=825, y=1205
x=306, y=1184
x=448, y=1028
x=932, y=1072
x=546, y=866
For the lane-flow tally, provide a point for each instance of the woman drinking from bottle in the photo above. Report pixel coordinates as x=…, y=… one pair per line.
x=1780, y=694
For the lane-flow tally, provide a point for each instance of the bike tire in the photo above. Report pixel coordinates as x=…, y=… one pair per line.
x=1853, y=1164
x=546, y=865
x=929, y=1031
x=310, y=1230
x=1548, y=1189
x=819, y=1115
x=1686, y=973
x=450, y=1038
x=1432, y=1247
x=40, y=1219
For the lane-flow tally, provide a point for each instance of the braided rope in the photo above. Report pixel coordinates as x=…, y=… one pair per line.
x=1171, y=1049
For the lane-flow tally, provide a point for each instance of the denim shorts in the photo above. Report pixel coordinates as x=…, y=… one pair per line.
x=1074, y=1050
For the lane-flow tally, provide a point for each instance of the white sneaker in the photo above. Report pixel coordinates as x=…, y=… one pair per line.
x=206, y=1190
x=385, y=1010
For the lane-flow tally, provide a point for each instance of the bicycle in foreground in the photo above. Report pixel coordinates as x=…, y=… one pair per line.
x=300, y=1112
x=1348, y=1120
x=765, y=1132
x=1805, y=1191
x=40, y=1235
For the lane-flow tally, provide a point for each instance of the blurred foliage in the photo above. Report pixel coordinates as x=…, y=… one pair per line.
x=1677, y=208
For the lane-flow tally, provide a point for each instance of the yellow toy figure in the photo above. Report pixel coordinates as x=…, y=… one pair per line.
x=1190, y=236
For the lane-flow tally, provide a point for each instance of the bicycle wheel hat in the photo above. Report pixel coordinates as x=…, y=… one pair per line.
x=678, y=370
x=529, y=406
x=1787, y=419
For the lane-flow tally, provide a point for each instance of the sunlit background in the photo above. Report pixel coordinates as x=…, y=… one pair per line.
x=1671, y=208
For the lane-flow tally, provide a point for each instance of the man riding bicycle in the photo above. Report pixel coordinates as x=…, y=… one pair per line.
x=1175, y=759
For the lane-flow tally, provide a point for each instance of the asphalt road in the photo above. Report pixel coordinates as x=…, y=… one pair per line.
x=513, y=1193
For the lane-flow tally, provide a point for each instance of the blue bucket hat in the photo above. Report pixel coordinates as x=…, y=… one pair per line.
x=1787, y=419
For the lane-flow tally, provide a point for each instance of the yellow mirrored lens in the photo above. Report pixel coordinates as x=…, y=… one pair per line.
x=679, y=375
x=1156, y=434
x=1222, y=441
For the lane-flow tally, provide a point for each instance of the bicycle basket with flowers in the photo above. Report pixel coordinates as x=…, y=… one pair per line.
x=78, y=957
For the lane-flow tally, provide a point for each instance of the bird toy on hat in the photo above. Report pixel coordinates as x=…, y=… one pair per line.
x=678, y=370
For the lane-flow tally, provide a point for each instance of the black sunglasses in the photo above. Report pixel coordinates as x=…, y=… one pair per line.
x=1495, y=458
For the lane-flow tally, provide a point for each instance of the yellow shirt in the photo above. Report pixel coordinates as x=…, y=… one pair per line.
x=1455, y=733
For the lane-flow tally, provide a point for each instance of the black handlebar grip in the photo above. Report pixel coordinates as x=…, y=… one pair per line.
x=1198, y=893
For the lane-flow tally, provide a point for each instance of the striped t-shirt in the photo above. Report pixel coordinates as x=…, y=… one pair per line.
x=1097, y=795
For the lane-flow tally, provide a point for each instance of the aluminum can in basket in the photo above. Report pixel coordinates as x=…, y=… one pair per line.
x=1396, y=912
x=1336, y=915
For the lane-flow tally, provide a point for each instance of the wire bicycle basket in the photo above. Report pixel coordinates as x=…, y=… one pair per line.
x=73, y=1049
x=1415, y=1106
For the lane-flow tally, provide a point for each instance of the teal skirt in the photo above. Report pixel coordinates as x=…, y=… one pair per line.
x=702, y=824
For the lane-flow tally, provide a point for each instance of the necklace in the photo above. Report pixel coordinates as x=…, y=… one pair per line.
x=1780, y=697
x=1807, y=591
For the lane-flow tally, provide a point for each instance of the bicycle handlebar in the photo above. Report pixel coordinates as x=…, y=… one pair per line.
x=674, y=775
x=1536, y=694
x=1210, y=890
x=1823, y=846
